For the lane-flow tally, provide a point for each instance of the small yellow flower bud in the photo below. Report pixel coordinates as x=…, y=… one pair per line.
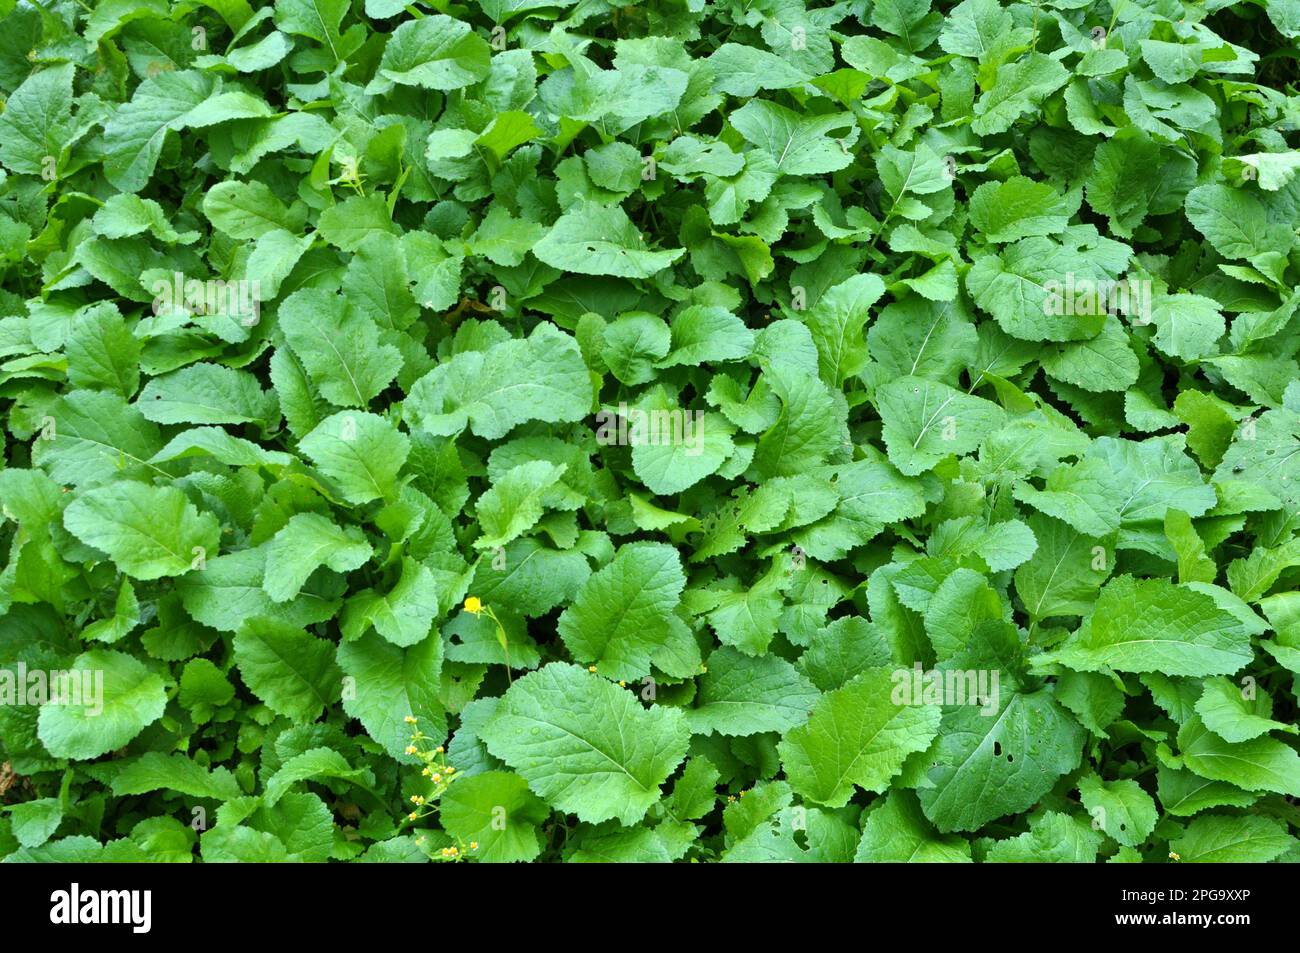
x=410, y=719
x=411, y=749
x=439, y=750
x=592, y=669
x=474, y=604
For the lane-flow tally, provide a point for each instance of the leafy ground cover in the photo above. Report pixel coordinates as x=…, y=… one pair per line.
x=744, y=430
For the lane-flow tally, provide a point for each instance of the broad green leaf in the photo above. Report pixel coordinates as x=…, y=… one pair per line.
x=292, y=672
x=388, y=683
x=339, y=347
x=925, y=421
x=1152, y=625
x=584, y=745
x=119, y=698
x=36, y=126
x=740, y=695
x=623, y=620
x=1120, y=808
x=897, y=832
x=436, y=52
x=857, y=736
x=491, y=391
x=1261, y=764
x=305, y=543
x=593, y=239
x=498, y=812
x=360, y=453
x=983, y=767
x=148, y=531
x=1232, y=840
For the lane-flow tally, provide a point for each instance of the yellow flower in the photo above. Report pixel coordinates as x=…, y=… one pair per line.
x=409, y=719
x=413, y=816
x=411, y=749
x=473, y=845
x=474, y=604
x=437, y=778
x=451, y=770
x=592, y=669
x=439, y=750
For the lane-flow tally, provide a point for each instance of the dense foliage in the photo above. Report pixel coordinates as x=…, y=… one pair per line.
x=689, y=430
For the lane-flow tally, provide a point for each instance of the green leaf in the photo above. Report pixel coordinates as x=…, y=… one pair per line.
x=34, y=822
x=897, y=832
x=497, y=811
x=402, y=615
x=857, y=736
x=292, y=672
x=797, y=144
x=1152, y=625
x=360, y=453
x=119, y=698
x=1236, y=223
x=148, y=531
x=514, y=503
x=207, y=394
x=925, y=421
x=1120, y=808
x=984, y=767
x=102, y=354
x=436, y=52
x=491, y=391
x=95, y=434
x=740, y=695
x=623, y=620
x=1020, y=208
x=1261, y=764
x=388, y=683
x=154, y=771
x=1017, y=88
x=584, y=745
x=36, y=125
x=304, y=544
x=248, y=210
x=1052, y=838
x=1232, y=840
x=594, y=239
x=338, y=347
